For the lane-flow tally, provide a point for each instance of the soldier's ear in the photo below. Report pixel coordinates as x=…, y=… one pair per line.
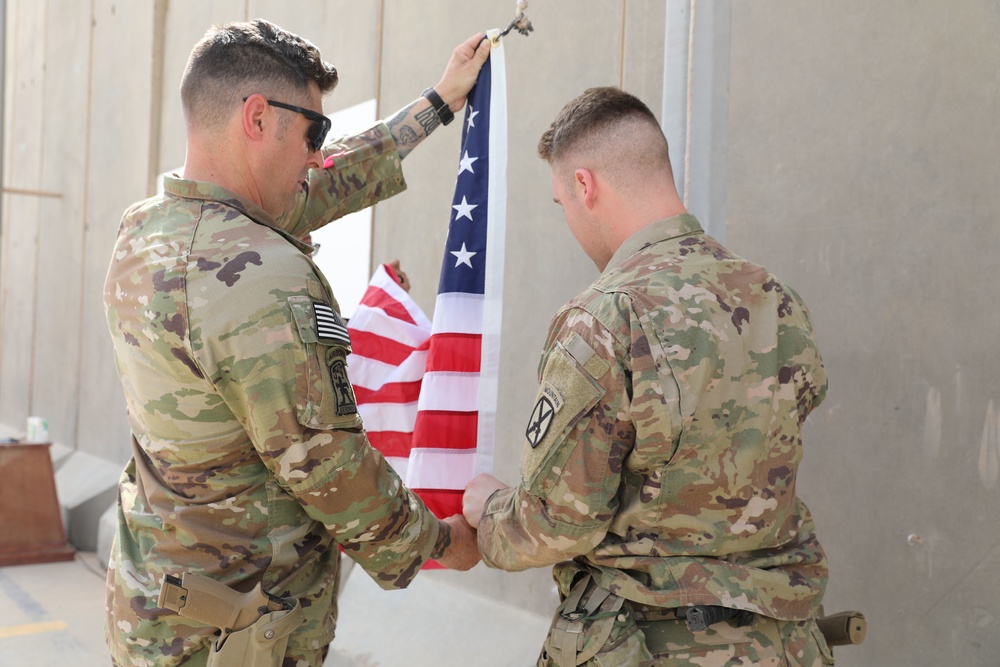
x=253, y=116
x=586, y=186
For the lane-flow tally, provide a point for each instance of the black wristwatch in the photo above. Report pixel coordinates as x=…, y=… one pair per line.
x=444, y=112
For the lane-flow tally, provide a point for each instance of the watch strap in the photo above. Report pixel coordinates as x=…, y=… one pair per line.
x=444, y=112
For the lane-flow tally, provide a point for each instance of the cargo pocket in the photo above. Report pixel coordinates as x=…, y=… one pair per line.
x=569, y=391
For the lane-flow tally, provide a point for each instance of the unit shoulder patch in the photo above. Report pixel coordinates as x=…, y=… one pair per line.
x=343, y=392
x=553, y=394
x=541, y=420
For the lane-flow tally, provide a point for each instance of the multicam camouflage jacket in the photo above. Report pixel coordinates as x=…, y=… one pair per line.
x=662, y=451
x=249, y=463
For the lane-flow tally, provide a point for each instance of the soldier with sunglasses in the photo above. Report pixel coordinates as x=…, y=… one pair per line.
x=250, y=463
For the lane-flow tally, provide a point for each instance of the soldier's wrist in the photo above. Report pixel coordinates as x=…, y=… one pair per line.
x=441, y=108
x=442, y=542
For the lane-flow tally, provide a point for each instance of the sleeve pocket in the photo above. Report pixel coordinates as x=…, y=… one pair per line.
x=566, y=394
x=324, y=397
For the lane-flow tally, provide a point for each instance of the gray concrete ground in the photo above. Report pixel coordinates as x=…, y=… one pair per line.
x=432, y=623
x=53, y=615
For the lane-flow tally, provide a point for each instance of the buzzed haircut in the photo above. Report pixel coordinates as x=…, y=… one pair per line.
x=235, y=60
x=609, y=126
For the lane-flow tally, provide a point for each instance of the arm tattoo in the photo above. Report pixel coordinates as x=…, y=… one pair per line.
x=443, y=541
x=428, y=119
x=406, y=136
x=400, y=117
x=409, y=129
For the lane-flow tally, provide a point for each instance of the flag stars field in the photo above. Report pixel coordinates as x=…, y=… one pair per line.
x=465, y=164
x=464, y=210
x=463, y=256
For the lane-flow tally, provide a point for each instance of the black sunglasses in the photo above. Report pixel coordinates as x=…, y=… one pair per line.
x=320, y=123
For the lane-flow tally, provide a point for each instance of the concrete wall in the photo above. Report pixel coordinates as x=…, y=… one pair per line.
x=857, y=161
x=863, y=169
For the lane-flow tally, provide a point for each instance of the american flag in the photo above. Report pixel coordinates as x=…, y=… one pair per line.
x=428, y=391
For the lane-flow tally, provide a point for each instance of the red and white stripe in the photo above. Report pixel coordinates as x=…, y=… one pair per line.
x=419, y=402
x=389, y=336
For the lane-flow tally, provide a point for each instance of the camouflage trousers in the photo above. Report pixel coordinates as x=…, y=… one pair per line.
x=594, y=628
x=293, y=658
x=767, y=642
x=671, y=644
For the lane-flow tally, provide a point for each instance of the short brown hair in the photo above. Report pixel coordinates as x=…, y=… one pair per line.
x=235, y=60
x=595, y=112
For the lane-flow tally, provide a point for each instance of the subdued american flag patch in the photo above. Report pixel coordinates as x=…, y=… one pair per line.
x=330, y=327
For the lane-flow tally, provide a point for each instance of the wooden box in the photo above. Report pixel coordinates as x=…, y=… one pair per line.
x=31, y=527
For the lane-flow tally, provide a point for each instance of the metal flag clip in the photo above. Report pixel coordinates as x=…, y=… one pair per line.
x=520, y=22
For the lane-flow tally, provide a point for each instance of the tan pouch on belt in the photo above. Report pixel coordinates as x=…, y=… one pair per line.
x=262, y=644
x=590, y=621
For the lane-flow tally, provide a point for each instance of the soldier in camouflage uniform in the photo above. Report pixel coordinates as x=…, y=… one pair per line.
x=660, y=463
x=250, y=463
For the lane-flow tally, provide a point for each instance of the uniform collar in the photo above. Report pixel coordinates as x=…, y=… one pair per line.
x=661, y=230
x=185, y=189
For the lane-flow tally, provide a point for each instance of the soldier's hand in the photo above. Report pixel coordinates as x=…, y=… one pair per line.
x=477, y=492
x=463, y=552
x=404, y=280
x=463, y=70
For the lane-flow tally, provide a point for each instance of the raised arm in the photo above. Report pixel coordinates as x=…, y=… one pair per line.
x=411, y=124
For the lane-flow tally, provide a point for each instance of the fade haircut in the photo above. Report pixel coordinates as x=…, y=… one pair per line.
x=608, y=129
x=235, y=60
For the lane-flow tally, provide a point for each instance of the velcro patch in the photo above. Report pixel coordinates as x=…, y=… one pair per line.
x=330, y=326
x=553, y=395
x=566, y=395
